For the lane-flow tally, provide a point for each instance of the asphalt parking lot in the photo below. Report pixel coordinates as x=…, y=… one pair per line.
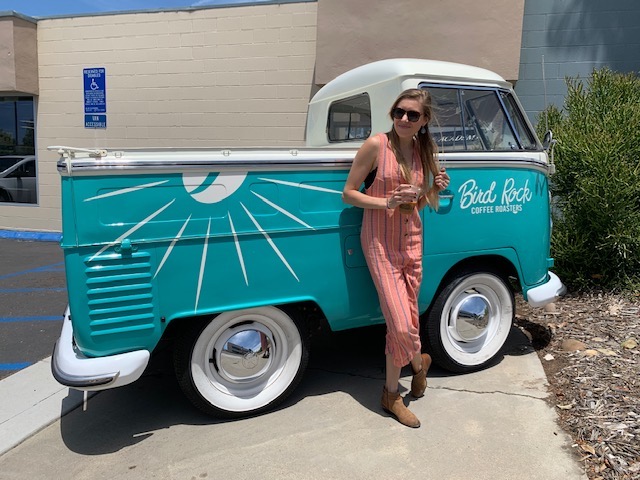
x=33, y=297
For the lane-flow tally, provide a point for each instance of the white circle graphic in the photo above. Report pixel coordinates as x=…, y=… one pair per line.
x=224, y=185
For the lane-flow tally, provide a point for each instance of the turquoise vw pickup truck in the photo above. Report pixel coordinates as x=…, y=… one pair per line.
x=231, y=255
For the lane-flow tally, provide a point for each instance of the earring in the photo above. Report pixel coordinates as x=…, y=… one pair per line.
x=423, y=130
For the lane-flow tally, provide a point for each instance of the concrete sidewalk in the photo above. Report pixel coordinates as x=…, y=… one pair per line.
x=494, y=424
x=31, y=399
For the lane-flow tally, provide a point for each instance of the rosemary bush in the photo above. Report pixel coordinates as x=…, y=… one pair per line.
x=596, y=188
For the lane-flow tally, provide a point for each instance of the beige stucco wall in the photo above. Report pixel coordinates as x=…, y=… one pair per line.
x=7, y=55
x=232, y=76
x=355, y=32
x=18, y=56
x=219, y=77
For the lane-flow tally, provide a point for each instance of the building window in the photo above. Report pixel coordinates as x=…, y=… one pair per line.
x=18, y=181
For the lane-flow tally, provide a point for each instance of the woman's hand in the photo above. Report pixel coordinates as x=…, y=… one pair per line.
x=442, y=179
x=404, y=193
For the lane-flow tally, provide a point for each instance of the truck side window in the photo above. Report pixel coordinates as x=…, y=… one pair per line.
x=451, y=128
x=484, y=110
x=475, y=120
x=526, y=136
x=350, y=119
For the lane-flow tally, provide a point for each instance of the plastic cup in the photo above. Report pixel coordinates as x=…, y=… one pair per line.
x=408, y=208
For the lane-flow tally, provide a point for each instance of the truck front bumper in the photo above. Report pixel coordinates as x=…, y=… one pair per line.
x=72, y=369
x=547, y=292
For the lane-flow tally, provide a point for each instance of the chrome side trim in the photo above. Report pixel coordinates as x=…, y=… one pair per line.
x=179, y=161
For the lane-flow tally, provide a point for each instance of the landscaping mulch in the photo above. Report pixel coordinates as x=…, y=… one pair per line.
x=588, y=346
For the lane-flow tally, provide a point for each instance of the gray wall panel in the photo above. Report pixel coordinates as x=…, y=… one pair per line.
x=574, y=37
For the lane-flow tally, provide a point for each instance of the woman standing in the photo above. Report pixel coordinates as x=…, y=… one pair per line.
x=401, y=176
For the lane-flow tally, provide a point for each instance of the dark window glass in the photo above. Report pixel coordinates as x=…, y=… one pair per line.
x=7, y=127
x=25, y=127
x=18, y=179
x=350, y=119
x=17, y=126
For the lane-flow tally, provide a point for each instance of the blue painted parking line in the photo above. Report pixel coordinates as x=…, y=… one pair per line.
x=28, y=235
x=56, y=267
x=14, y=366
x=36, y=318
x=32, y=290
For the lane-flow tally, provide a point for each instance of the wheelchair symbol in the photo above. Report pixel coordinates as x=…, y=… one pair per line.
x=94, y=85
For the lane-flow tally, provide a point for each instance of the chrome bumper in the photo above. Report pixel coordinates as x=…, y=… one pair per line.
x=72, y=369
x=547, y=292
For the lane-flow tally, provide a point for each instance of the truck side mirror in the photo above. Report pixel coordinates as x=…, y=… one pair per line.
x=548, y=142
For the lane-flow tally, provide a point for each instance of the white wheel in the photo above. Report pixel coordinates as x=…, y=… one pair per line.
x=470, y=321
x=242, y=361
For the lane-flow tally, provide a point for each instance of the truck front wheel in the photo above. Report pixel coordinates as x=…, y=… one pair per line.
x=241, y=362
x=470, y=321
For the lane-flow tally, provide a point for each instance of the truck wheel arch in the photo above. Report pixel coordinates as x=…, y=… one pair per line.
x=307, y=310
x=497, y=263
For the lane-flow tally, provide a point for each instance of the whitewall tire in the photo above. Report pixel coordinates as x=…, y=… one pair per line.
x=470, y=320
x=242, y=362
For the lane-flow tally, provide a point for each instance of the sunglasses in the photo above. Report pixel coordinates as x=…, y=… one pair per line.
x=412, y=115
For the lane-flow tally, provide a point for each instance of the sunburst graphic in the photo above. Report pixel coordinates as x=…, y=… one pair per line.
x=208, y=189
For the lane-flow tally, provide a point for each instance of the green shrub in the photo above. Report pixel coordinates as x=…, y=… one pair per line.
x=596, y=188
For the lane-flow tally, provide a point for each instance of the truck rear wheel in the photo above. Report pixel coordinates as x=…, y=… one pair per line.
x=470, y=321
x=242, y=362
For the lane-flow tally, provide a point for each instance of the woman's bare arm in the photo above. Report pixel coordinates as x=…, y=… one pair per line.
x=365, y=161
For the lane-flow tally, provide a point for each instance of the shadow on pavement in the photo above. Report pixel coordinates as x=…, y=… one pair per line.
x=351, y=362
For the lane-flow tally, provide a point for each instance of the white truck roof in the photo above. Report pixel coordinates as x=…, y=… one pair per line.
x=397, y=68
x=383, y=81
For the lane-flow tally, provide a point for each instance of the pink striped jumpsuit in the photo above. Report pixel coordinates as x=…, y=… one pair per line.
x=392, y=244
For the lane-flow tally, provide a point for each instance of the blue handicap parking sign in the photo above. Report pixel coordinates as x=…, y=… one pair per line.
x=95, y=94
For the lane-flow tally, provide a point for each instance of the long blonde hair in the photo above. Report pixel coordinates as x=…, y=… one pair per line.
x=427, y=147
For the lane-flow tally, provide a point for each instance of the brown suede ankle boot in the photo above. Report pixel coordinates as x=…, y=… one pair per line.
x=393, y=404
x=419, y=380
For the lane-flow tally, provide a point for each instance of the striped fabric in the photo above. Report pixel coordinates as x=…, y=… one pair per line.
x=392, y=245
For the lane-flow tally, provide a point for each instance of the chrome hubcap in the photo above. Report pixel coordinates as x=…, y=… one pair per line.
x=470, y=317
x=244, y=352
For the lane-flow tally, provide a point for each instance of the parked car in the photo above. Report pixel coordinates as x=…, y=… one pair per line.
x=18, y=179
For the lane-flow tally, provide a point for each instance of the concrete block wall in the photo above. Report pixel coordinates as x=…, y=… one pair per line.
x=574, y=37
x=216, y=77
